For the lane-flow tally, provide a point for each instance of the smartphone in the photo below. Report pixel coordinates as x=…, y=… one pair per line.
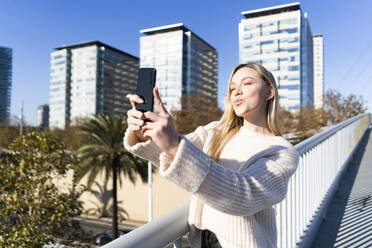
x=145, y=86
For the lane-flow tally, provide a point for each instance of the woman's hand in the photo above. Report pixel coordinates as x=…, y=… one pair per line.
x=161, y=128
x=136, y=119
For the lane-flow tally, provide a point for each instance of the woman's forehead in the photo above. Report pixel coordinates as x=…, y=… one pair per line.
x=245, y=73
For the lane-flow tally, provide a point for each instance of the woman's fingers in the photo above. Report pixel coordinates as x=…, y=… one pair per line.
x=152, y=116
x=148, y=126
x=148, y=133
x=158, y=102
x=134, y=113
x=134, y=99
x=135, y=119
x=135, y=124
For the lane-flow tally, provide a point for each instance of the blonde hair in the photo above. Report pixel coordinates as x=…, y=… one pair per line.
x=230, y=123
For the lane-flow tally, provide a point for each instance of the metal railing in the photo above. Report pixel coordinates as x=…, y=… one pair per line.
x=161, y=232
x=323, y=158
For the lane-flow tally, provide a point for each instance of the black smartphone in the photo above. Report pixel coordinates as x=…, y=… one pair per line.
x=145, y=86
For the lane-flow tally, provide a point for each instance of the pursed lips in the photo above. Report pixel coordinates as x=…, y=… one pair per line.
x=237, y=102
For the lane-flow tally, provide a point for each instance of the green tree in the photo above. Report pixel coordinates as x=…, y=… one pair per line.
x=8, y=133
x=105, y=153
x=33, y=211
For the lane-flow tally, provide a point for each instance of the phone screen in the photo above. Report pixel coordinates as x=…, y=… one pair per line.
x=145, y=86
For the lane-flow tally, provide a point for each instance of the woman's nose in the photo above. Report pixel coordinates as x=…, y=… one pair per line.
x=237, y=92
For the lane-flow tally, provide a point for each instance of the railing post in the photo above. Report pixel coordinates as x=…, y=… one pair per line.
x=149, y=174
x=178, y=243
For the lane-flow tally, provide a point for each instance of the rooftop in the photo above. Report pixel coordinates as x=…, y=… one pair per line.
x=91, y=43
x=272, y=10
x=170, y=28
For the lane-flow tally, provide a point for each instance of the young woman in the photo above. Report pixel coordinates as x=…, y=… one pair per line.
x=236, y=168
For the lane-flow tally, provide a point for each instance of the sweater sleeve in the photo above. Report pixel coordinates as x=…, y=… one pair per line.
x=243, y=193
x=150, y=151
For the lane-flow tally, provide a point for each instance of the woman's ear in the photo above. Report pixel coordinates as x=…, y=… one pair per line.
x=270, y=93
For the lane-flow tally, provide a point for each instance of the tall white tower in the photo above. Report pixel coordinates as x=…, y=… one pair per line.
x=318, y=71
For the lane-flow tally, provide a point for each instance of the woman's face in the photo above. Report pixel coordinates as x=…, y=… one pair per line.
x=249, y=93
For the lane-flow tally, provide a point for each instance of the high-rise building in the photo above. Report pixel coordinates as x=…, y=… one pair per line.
x=318, y=71
x=185, y=63
x=42, y=116
x=88, y=79
x=6, y=55
x=280, y=39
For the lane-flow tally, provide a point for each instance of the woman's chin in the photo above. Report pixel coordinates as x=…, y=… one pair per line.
x=238, y=113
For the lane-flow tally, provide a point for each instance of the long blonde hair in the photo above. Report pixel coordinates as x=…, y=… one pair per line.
x=230, y=123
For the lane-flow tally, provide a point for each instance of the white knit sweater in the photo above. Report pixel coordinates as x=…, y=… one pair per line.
x=233, y=198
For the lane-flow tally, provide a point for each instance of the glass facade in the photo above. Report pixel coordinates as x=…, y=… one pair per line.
x=184, y=63
x=307, y=82
x=42, y=116
x=59, y=90
x=89, y=79
x=6, y=58
x=165, y=53
x=202, y=68
x=278, y=39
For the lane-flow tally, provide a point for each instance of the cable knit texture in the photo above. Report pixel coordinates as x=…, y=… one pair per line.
x=233, y=198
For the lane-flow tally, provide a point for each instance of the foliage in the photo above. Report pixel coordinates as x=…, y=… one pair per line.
x=10, y=132
x=105, y=153
x=286, y=121
x=196, y=110
x=339, y=108
x=310, y=121
x=70, y=136
x=32, y=209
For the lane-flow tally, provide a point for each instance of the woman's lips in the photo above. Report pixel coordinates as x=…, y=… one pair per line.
x=238, y=102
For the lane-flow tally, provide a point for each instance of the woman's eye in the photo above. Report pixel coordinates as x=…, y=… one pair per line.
x=231, y=89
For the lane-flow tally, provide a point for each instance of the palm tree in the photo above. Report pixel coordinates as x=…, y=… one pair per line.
x=106, y=154
x=103, y=195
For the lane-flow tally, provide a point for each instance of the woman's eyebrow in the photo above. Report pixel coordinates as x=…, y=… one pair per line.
x=245, y=78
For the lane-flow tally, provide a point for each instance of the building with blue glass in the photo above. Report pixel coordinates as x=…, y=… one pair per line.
x=280, y=39
x=6, y=57
x=42, y=116
x=90, y=78
x=185, y=63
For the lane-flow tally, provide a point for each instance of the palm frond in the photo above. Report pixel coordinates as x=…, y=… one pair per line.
x=92, y=175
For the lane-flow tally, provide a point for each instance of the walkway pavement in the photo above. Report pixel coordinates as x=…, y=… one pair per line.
x=348, y=221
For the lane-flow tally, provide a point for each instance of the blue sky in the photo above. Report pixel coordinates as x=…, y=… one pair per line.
x=34, y=28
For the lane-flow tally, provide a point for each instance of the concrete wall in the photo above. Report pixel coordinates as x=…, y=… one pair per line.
x=134, y=198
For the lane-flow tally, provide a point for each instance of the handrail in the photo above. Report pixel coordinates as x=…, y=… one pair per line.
x=299, y=213
x=163, y=231
x=323, y=160
x=307, y=144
